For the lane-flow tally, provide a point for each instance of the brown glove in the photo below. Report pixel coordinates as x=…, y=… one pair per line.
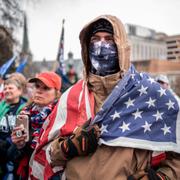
x=56, y=154
x=82, y=142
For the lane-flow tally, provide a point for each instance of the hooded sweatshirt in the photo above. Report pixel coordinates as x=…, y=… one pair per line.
x=112, y=163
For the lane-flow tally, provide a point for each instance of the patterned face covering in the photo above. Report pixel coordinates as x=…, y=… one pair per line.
x=103, y=58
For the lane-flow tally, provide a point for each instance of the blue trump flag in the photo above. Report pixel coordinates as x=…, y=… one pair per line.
x=60, y=54
x=139, y=113
x=5, y=67
x=21, y=66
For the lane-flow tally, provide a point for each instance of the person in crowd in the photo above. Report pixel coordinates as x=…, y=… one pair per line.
x=10, y=106
x=164, y=81
x=15, y=76
x=30, y=90
x=19, y=76
x=108, y=124
x=72, y=75
x=1, y=88
x=46, y=93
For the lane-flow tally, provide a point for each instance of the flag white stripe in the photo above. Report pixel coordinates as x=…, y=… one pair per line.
x=142, y=144
x=61, y=115
x=38, y=171
x=80, y=96
x=87, y=102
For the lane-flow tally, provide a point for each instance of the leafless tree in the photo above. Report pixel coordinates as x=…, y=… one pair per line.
x=11, y=19
x=11, y=13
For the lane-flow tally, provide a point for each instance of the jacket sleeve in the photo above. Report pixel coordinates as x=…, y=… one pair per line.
x=171, y=166
x=15, y=154
x=56, y=154
x=4, y=145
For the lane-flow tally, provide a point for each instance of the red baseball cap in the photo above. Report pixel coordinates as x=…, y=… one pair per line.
x=49, y=78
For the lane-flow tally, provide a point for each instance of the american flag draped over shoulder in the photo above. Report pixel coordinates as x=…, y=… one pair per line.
x=139, y=113
x=75, y=106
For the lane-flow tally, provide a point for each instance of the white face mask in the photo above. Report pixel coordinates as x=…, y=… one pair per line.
x=103, y=58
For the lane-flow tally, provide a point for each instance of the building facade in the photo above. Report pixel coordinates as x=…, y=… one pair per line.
x=146, y=43
x=173, y=47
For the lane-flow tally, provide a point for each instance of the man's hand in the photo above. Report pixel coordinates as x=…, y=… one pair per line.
x=82, y=142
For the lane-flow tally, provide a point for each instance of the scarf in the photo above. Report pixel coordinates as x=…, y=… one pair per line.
x=37, y=117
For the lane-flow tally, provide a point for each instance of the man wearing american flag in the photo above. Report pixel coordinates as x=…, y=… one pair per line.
x=115, y=123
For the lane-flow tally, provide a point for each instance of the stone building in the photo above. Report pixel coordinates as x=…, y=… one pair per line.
x=173, y=47
x=146, y=43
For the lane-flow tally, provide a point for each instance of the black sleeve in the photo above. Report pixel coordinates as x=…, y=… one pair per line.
x=15, y=154
x=4, y=145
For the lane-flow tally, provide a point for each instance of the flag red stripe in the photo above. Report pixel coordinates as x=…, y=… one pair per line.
x=72, y=113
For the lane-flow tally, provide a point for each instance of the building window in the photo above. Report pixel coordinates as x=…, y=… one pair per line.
x=170, y=42
x=172, y=47
x=170, y=53
x=173, y=57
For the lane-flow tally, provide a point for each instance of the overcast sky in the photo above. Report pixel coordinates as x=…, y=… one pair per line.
x=45, y=20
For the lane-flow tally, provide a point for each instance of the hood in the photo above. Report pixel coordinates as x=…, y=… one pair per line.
x=120, y=39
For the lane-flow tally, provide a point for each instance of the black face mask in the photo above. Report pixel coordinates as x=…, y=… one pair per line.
x=103, y=58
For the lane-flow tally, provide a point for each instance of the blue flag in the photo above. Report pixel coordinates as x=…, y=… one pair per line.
x=5, y=67
x=139, y=113
x=21, y=66
x=60, y=54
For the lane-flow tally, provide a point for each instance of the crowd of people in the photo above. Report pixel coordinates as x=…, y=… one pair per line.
x=87, y=132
